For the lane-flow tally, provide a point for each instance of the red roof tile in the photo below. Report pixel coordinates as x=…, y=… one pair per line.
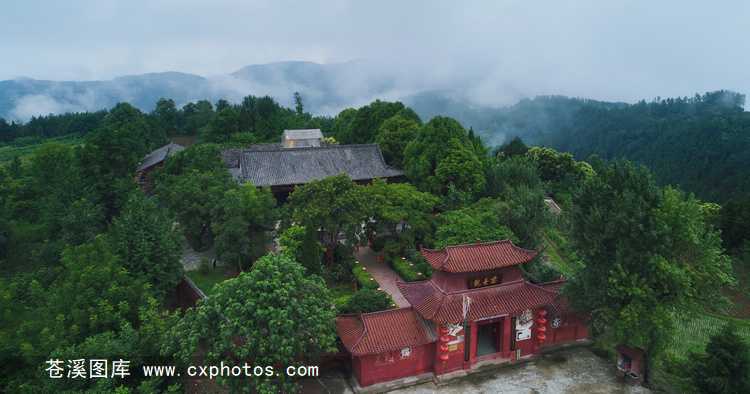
x=379, y=332
x=439, y=307
x=634, y=353
x=562, y=305
x=477, y=257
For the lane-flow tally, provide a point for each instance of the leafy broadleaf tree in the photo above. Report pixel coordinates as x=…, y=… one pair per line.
x=244, y=214
x=647, y=253
x=441, y=153
x=467, y=225
x=301, y=244
x=394, y=203
x=268, y=316
x=191, y=198
x=331, y=204
x=145, y=241
x=395, y=134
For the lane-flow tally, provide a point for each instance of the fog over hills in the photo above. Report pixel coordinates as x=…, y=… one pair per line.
x=326, y=89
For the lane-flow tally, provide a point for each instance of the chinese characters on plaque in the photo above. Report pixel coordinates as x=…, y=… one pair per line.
x=488, y=280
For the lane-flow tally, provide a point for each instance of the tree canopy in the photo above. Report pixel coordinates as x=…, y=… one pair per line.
x=647, y=252
x=270, y=315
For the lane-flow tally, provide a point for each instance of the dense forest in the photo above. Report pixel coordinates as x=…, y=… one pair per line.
x=699, y=143
x=87, y=262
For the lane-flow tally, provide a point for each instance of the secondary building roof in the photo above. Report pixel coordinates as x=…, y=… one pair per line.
x=159, y=155
x=477, y=257
x=562, y=305
x=440, y=307
x=379, y=332
x=297, y=166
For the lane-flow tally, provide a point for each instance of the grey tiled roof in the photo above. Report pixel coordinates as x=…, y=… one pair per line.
x=159, y=155
x=304, y=134
x=296, y=166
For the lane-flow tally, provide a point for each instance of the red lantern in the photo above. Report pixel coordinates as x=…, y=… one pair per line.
x=372, y=279
x=379, y=289
x=444, y=348
x=403, y=258
x=444, y=330
x=411, y=264
x=356, y=262
x=445, y=339
x=541, y=329
x=444, y=357
x=541, y=337
x=364, y=268
x=542, y=320
x=542, y=313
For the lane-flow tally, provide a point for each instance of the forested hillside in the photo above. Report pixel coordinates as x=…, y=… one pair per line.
x=700, y=143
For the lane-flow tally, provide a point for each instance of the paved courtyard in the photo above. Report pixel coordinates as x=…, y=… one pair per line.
x=575, y=370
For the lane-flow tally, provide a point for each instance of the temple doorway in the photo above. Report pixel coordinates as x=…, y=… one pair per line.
x=487, y=339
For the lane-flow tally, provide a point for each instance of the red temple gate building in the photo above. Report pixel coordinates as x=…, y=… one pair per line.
x=477, y=307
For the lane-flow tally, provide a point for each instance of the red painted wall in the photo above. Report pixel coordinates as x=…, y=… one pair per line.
x=571, y=328
x=368, y=372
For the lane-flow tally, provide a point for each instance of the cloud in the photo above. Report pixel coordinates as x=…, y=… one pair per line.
x=41, y=105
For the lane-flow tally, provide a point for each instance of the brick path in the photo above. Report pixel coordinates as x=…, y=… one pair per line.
x=382, y=273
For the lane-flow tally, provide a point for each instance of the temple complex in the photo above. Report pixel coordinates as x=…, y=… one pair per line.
x=476, y=307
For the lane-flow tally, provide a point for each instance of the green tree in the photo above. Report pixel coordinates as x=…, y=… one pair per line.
x=301, y=244
x=467, y=225
x=223, y=124
x=298, y=106
x=443, y=139
x=268, y=316
x=148, y=246
x=364, y=125
x=725, y=365
x=244, y=214
x=647, y=253
x=165, y=116
x=191, y=199
x=196, y=117
x=395, y=203
x=395, y=134
x=331, y=204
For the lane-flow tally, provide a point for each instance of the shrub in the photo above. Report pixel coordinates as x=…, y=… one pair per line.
x=411, y=274
x=342, y=303
x=368, y=300
x=363, y=279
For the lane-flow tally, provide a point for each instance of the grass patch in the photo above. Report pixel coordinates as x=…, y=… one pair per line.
x=559, y=250
x=206, y=281
x=697, y=331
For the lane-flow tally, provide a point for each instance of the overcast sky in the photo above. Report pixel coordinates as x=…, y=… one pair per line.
x=502, y=50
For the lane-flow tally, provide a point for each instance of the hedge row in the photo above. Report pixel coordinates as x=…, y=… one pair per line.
x=363, y=278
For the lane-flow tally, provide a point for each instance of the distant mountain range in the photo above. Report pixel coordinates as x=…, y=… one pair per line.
x=325, y=89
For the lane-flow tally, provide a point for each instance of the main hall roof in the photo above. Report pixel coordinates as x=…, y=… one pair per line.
x=297, y=166
x=477, y=257
x=440, y=307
